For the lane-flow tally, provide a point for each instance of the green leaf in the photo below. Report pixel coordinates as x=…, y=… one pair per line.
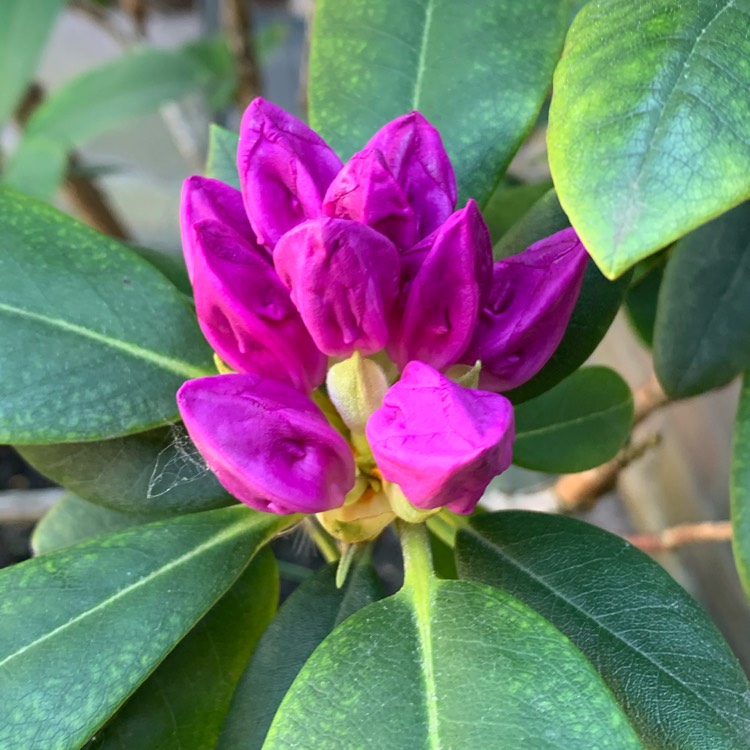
x=580, y=423
x=24, y=29
x=95, y=341
x=221, y=163
x=214, y=56
x=597, y=305
x=183, y=703
x=657, y=650
x=371, y=62
x=649, y=127
x=308, y=616
x=74, y=520
x=643, y=295
x=171, y=265
x=84, y=626
x=700, y=338
x=98, y=100
x=740, y=487
x=509, y=203
x=159, y=471
x=457, y=665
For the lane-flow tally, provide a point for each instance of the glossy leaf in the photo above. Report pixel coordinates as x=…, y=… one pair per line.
x=308, y=616
x=700, y=339
x=371, y=62
x=580, y=423
x=598, y=301
x=649, y=134
x=100, y=99
x=24, y=29
x=509, y=203
x=740, y=487
x=95, y=341
x=642, y=299
x=154, y=472
x=669, y=667
x=453, y=665
x=182, y=705
x=221, y=163
x=113, y=608
x=74, y=520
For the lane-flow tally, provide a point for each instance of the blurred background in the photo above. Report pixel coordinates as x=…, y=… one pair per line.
x=115, y=114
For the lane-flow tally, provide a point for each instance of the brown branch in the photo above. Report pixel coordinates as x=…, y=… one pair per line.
x=236, y=20
x=580, y=491
x=686, y=533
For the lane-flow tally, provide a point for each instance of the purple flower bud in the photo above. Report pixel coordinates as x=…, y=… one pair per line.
x=343, y=277
x=268, y=444
x=204, y=199
x=364, y=190
x=246, y=313
x=414, y=154
x=440, y=442
x=530, y=303
x=285, y=169
x=439, y=307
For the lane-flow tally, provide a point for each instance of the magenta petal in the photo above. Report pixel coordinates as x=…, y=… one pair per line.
x=268, y=444
x=532, y=298
x=364, y=190
x=414, y=153
x=204, y=199
x=439, y=307
x=285, y=169
x=246, y=313
x=343, y=277
x=440, y=442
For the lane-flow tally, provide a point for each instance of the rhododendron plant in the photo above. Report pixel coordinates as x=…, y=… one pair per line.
x=313, y=263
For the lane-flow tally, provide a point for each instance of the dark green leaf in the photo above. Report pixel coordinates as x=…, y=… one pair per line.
x=580, y=423
x=159, y=471
x=595, y=310
x=509, y=203
x=459, y=665
x=95, y=342
x=657, y=650
x=701, y=340
x=371, y=62
x=84, y=626
x=649, y=128
x=740, y=487
x=183, y=703
x=222, y=156
x=74, y=520
x=24, y=28
x=308, y=616
x=170, y=264
x=642, y=298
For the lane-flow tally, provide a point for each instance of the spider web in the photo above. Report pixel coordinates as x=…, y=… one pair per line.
x=178, y=463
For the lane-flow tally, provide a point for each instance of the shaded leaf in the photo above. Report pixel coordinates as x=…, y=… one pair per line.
x=221, y=163
x=740, y=487
x=580, y=423
x=642, y=299
x=664, y=660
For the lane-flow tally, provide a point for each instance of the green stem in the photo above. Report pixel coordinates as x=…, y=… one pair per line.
x=415, y=545
x=327, y=546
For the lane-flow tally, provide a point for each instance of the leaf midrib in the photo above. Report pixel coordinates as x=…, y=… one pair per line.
x=422, y=60
x=237, y=528
x=170, y=364
x=590, y=618
x=571, y=422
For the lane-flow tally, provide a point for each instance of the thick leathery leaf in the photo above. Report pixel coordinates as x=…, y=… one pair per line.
x=669, y=667
x=642, y=298
x=154, y=472
x=700, y=340
x=453, y=665
x=371, y=62
x=649, y=134
x=740, y=487
x=580, y=423
x=221, y=163
x=113, y=608
x=598, y=301
x=95, y=340
x=308, y=616
x=183, y=703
